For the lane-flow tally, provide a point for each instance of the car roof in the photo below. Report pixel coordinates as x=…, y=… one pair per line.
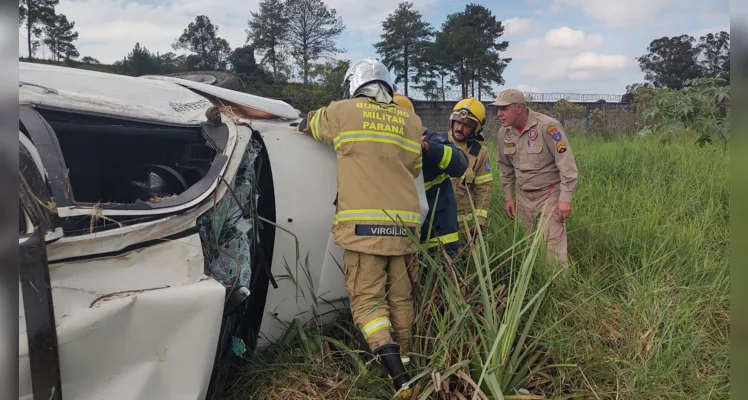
x=163, y=101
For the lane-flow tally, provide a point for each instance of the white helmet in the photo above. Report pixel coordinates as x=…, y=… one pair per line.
x=366, y=71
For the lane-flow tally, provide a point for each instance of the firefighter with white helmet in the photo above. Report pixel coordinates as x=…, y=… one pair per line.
x=378, y=149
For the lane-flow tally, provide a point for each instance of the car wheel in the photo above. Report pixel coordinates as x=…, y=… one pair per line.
x=215, y=78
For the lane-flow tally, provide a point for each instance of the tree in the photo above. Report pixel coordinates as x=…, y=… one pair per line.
x=90, y=60
x=140, y=61
x=242, y=60
x=405, y=33
x=634, y=91
x=37, y=14
x=468, y=42
x=487, y=65
x=200, y=37
x=312, y=31
x=169, y=62
x=432, y=72
x=330, y=75
x=670, y=62
x=59, y=37
x=267, y=32
x=244, y=65
x=715, y=53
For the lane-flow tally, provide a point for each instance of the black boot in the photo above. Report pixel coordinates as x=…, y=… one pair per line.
x=393, y=365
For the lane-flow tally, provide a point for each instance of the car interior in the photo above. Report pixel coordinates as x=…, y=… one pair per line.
x=123, y=161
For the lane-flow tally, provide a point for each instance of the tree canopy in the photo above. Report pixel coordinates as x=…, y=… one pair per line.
x=268, y=32
x=670, y=62
x=466, y=52
x=313, y=30
x=201, y=38
x=404, y=41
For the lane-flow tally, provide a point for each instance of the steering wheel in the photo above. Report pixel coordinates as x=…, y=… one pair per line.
x=157, y=180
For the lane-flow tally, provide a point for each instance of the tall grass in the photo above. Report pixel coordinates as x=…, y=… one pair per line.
x=642, y=312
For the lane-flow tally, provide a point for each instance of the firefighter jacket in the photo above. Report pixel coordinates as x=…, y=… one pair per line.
x=476, y=184
x=379, y=156
x=441, y=162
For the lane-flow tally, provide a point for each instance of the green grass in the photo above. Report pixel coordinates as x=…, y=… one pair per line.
x=642, y=313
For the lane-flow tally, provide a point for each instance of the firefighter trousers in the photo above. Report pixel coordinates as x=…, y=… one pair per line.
x=530, y=206
x=380, y=293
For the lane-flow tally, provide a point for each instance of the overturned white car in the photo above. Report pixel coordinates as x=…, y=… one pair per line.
x=157, y=215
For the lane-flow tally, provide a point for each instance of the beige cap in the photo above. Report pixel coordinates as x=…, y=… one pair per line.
x=509, y=96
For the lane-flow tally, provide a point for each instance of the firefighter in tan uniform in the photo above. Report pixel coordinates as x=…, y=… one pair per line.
x=535, y=154
x=378, y=146
x=474, y=188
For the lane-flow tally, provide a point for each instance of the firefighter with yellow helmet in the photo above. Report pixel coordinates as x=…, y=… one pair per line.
x=441, y=161
x=379, y=155
x=467, y=121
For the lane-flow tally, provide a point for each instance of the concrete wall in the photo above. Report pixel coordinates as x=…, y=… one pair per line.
x=435, y=114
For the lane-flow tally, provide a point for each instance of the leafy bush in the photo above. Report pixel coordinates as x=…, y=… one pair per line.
x=699, y=107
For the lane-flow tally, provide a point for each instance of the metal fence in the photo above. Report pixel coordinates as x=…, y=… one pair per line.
x=453, y=95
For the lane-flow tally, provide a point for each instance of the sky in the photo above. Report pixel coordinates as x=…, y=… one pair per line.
x=557, y=46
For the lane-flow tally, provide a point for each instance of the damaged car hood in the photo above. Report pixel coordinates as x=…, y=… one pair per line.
x=110, y=94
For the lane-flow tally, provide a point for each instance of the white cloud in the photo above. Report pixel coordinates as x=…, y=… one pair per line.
x=566, y=55
x=527, y=89
x=600, y=62
x=581, y=67
x=518, y=26
x=108, y=29
x=619, y=13
x=567, y=37
x=556, y=42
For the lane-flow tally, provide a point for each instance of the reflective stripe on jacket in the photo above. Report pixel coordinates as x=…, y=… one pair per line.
x=379, y=155
x=441, y=162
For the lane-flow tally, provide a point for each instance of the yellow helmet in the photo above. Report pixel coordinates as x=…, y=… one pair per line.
x=404, y=102
x=470, y=111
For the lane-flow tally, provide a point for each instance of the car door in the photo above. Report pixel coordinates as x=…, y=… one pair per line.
x=39, y=362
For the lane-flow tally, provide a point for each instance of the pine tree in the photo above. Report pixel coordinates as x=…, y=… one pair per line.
x=59, y=37
x=36, y=14
x=403, y=41
x=313, y=29
x=201, y=38
x=267, y=31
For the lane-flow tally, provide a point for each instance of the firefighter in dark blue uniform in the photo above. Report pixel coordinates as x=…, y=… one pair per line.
x=441, y=161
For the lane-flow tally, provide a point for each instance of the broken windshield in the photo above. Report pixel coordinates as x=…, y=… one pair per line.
x=226, y=229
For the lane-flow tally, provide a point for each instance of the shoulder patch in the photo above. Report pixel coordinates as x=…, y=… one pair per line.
x=555, y=132
x=561, y=147
x=487, y=166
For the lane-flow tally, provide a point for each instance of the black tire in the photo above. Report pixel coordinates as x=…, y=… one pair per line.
x=222, y=79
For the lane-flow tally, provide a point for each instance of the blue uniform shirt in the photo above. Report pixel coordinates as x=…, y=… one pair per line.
x=441, y=162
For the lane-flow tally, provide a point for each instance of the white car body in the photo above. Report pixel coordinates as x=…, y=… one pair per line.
x=134, y=304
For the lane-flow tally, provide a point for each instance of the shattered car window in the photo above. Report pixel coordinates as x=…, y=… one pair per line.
x=226, y=231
